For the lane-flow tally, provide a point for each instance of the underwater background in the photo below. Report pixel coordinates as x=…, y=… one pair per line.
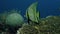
x=29, y=16
x=46, y=7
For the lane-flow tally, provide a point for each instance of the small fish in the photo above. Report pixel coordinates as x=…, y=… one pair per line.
x=31, y=12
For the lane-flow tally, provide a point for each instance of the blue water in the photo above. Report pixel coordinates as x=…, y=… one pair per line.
x=46, y=7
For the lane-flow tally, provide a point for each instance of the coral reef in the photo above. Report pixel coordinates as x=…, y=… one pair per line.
x=50, y=25
x=12, y=22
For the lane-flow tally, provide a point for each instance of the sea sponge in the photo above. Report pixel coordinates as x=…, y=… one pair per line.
x=14, y=19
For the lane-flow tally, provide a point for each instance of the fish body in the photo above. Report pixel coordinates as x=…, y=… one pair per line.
x=31, y=12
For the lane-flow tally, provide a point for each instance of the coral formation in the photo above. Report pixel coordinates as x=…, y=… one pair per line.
x=14, y=19
x=11, y=21
x=50, y=25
